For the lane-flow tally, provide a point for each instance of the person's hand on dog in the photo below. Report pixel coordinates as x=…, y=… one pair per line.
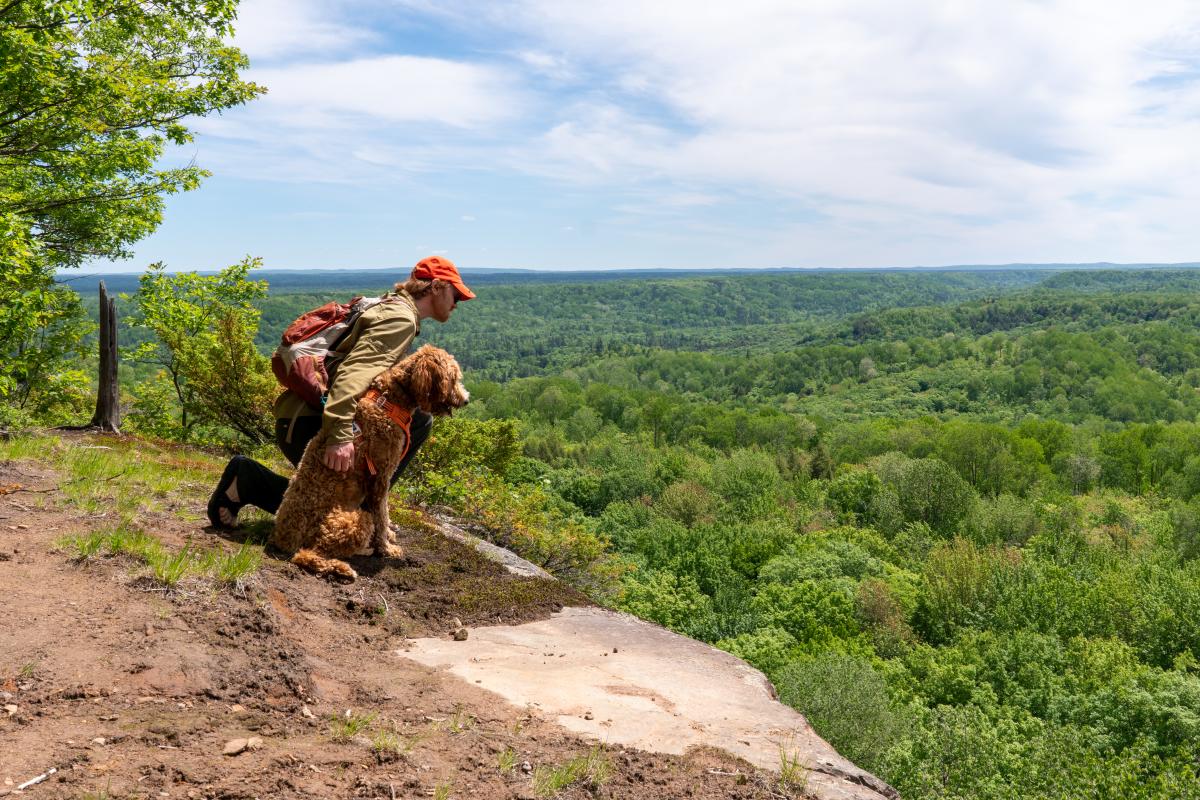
x=340, y=457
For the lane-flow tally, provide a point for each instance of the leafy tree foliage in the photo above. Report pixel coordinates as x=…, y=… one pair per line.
x=42, y=325
x=91, y=93
x=961, y=536
x=204, y=341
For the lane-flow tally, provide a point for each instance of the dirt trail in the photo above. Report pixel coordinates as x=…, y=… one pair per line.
x=127, y=690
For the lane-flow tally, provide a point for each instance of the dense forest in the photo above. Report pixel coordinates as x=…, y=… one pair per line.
x=954, y=516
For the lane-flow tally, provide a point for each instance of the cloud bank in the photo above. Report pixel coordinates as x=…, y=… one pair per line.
x=854, y=132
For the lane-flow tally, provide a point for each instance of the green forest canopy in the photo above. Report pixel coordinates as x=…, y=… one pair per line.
x=955, y=517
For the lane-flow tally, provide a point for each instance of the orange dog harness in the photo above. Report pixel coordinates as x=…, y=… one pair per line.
x=401, y=416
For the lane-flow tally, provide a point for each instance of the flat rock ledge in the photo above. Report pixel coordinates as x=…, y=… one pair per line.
x=621, y=680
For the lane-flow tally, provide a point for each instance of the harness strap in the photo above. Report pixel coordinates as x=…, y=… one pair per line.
x=400, y=416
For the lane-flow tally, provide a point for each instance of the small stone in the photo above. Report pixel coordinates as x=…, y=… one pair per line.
x=614, y=649
x=588, y=715
x=456, y=623
x=234, y=746
x=149, y=629
x=304, y=712
x=526, y=767
x=254, y=743
x=237, y=708
x=460, y=635
x=99, y=740
x=11, y=709
x=22, y=527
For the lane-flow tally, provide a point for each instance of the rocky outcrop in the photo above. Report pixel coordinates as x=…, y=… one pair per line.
x=625, y=681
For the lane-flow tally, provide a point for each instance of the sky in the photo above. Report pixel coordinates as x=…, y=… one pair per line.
x=554, y=134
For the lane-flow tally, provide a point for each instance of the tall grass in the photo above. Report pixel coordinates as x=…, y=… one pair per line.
x=167, y=566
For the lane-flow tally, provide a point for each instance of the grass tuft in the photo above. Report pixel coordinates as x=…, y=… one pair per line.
x=236, y=567
x=507, y=761
x=793, y=772
x=592, y=769
x=458, y=723
x=349, y=725
x=390, y=742
x=168, y=566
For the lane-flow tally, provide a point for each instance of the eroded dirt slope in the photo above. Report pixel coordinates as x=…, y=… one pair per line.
x=127, y=689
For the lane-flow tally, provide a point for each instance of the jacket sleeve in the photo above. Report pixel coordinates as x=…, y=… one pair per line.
x=380, y=345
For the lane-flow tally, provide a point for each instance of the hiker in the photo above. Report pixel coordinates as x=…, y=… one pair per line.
x=378, y=339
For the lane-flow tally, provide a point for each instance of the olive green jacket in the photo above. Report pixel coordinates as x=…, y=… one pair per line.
x=379, y=338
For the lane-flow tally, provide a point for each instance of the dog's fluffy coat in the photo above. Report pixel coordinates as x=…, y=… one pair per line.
x=327, y=515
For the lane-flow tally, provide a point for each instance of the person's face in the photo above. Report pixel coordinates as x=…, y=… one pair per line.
x=444, y=302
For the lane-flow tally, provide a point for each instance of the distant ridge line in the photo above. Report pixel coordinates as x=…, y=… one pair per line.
x=299, y=280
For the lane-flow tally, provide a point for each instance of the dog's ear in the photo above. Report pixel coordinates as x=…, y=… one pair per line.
x=423, y=382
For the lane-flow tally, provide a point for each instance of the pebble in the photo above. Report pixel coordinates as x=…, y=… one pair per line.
x=237, y=708
x=254, y=742
x=588, y=715
x=99, y=740
x=11, y=709
x=526, y=767
x=460, y=635
x=234, y=746
x=304, y=712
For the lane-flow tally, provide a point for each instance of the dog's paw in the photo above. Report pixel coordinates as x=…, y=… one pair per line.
x=390, y=551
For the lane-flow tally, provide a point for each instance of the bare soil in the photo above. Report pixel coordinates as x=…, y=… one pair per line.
x=129, y=690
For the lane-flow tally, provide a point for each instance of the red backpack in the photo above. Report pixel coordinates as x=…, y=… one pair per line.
x=306, y=357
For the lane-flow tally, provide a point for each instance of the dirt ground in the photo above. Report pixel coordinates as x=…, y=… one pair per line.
x=129, y=690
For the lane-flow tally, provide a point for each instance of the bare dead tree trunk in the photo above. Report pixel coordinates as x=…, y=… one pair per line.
x=108, y=399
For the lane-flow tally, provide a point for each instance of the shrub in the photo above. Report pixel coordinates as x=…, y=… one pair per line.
x=851, y=494
x=1006, y=519
x=673, y=601
x=847, y=702
x=769, y=648
x=961, y=586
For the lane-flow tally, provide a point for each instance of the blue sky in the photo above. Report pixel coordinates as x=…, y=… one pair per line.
x=550, y=134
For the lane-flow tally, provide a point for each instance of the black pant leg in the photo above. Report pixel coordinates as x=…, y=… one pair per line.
x=259, y=486
x=422, y=424
x=302, y=432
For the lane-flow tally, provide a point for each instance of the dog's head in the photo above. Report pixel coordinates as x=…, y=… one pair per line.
x=431, y=378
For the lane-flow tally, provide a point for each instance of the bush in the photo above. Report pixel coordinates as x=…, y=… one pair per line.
x=672, y=601
x=962, y=585
x=1006, y=519
x=851, y=494
x=847, y=702
x=769, y=648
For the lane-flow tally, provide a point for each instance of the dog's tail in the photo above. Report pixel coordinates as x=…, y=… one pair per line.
x=343, y=533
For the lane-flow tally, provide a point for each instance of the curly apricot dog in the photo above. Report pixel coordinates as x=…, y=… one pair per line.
x=328, y=515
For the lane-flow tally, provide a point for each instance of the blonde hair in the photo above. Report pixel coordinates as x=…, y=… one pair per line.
x=418, y=287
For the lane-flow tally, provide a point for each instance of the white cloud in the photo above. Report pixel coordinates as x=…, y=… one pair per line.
x=899, y=132
x=344, y=120
x=389, y=88
x=972, y=122
x=268, y=29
